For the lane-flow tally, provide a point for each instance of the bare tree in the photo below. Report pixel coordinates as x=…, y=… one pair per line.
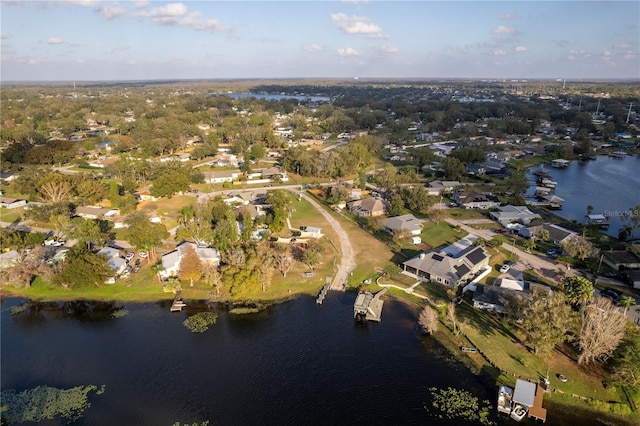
x=451, y=315
x=284, y=262
x=55, y=190
x=428, y=320
x=211, y=275
x=602, y=330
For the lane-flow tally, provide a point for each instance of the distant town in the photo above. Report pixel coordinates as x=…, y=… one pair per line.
x=443, y=194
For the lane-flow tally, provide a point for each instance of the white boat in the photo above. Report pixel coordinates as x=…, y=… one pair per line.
x=505, y=394
x=519, y=412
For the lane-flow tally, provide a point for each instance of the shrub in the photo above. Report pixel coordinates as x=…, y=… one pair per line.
x=199, y=323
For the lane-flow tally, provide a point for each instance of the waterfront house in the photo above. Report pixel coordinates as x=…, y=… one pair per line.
x=309, y=232
x=171, y=261
x=510, y=214
x=116, y=263
x=475, y=200
x=621, y=258
x=492, y=298
x=560, y=163
x=405, y=224
x=557, y=234
x=368, y=207
x=450, y=271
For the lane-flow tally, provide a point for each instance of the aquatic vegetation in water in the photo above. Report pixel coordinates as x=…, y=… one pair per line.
x=15, y=310
x=119, y=313
x=199, y=323
x=456, y=404
x=45, y=402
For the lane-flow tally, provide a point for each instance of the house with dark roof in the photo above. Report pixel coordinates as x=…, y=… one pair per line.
x=368, y=207
x=623, y=258
x=12, y=203
x=475, y=200
x=557, y=234
x=448, y=270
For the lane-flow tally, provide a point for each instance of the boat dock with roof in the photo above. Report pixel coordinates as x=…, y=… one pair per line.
x=368, y=307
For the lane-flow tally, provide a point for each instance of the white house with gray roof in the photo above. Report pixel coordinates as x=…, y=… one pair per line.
x=407, y=223
x=171, y=260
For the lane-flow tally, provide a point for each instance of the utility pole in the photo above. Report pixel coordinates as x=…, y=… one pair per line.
x=629, y=113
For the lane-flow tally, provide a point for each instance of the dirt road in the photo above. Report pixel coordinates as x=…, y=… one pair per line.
x=347, y=260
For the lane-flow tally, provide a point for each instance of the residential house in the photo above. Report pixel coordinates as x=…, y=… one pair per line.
x=90, y=212
x=368, y=207
x=492, y=298
x=171, y=260
x=557, y=234
x=8, y=176
x=12, y=203
x=633, y=277
x=405, y=224
x=439, y=187
x=475, y=200
x=355, y=194
x=448, y=270
x=221, y=176
x=118, y=264
x=510, y=214
x=622, y=258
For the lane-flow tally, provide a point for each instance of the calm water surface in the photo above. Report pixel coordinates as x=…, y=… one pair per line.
x=608, y=184
x=297, y=363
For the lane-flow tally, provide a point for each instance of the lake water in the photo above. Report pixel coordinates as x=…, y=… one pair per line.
x=608, y=184
x=273, y=97
x=296, y=363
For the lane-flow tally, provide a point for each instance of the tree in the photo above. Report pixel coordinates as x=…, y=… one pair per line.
x=91, y=191
x=396, y=206
x=451, y=316
x=144, y=234
x=279, y=202
x=190, y=265
x=544, y=235
x=81, y=268
x=589, y=209
x=578, y=290
x=211, y=275
x=428, y=320
x=517, y=181
x=284, y=261
x=54, y=188
x=602, y=330
x=545, y=320
x=626, y=302
x=453, y=168
x=579, y=247
x=625, y=361
x=312, y=254
x=633, y=220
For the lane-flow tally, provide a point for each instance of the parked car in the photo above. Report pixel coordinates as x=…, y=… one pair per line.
x=553, y=252
x=137, y=263
x=502, y=231
x=129, y=256
x=610, y=294
x=504, y=269
x=143, y=254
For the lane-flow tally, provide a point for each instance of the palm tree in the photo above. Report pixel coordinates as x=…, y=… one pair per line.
x=589, y=209
x=626, y=302
x=579, y=290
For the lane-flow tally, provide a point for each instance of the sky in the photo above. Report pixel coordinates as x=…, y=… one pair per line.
x=92, y=40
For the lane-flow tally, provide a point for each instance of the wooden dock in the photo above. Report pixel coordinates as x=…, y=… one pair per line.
x=536, y=411
x=324, y=290
x=177, y=304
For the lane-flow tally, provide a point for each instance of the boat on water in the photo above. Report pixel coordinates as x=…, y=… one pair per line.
x=505, y=394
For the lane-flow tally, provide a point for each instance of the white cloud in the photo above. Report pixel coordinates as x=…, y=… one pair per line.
x=499, y=52
x=356, y=24
x=112, y=11
x=507, y=16
x=312, y=47
x=521, y=49
x=121, y=48
x=178, y=14
x=348, y=51
x=577, y=54
x=503, y=30
x=55, y=40
x=385, y=49
x=5, y=36
x=140, y=4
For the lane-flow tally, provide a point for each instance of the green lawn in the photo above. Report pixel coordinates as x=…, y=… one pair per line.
x=10, y=215
x=437, y=234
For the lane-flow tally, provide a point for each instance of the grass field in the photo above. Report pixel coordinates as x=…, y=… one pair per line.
x=437, y=234
x=10, y=215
